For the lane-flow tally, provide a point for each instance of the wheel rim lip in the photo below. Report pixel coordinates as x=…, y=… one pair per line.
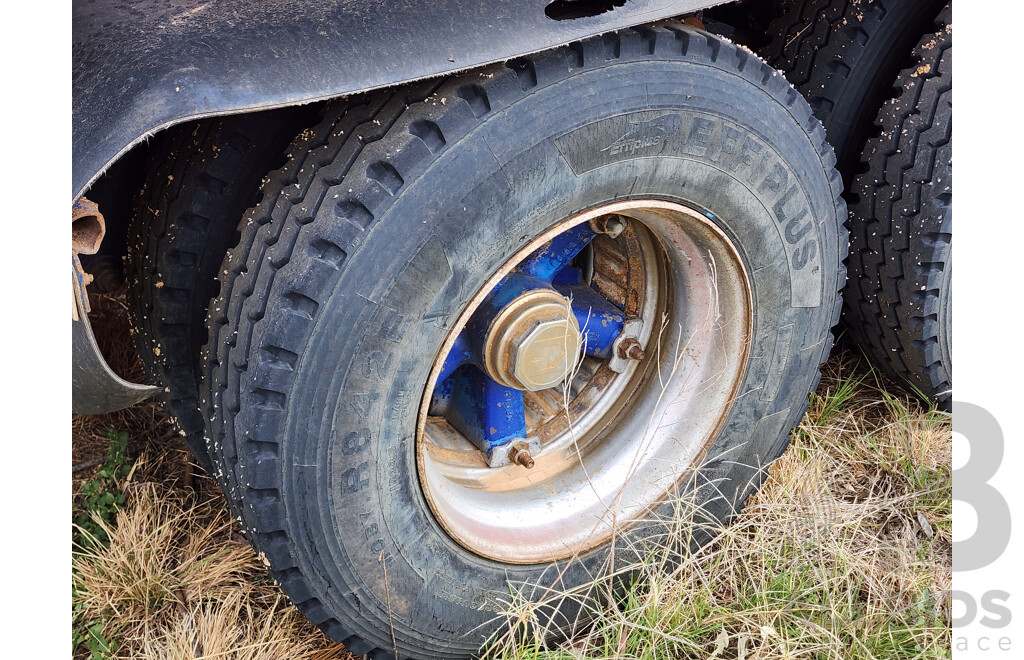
x=945, y=316
x=631, y=209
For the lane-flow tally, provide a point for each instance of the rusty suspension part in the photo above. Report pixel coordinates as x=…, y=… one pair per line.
x=87, y=231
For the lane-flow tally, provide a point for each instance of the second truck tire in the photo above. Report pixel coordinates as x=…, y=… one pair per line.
x=899, y=300
x=201, y=178
x=843, y=56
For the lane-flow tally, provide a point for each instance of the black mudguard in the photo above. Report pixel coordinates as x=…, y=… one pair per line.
x=139, y=66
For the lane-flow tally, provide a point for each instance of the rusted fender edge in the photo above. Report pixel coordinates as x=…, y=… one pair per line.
x=95, y=388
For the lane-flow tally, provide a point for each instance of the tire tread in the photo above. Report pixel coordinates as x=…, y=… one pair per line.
x=901, y=223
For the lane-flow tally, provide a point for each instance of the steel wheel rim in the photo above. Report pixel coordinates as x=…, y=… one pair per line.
x=945, y=319
x=643, y=432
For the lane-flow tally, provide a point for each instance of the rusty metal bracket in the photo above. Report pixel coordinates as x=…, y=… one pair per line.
x=87, y=231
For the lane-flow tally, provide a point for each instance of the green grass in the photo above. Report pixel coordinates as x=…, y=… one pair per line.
x=98, y=502
x=100, y=498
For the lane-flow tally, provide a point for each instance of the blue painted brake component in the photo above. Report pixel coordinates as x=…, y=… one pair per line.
x=556, y=254
x=600, y=320
x=488, y=413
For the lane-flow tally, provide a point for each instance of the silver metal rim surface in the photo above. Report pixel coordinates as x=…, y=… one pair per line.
x=613, y=445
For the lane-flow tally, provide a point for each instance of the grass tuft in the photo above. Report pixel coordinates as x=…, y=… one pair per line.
x=229, y=628
x=176, y=580
x=845, y=552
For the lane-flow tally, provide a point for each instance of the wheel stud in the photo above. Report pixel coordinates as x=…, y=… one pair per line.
x=610, y=225
x=630, y=349
x=520, y=455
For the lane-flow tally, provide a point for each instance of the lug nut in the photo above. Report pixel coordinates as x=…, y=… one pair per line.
x=610, y=225
x=518, y=454
x=630, y=349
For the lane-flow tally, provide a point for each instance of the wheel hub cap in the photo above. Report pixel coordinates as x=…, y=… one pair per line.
x=533, y=342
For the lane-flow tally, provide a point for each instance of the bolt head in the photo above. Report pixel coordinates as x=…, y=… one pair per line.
x=610, y=225
x=546, y=354
x=630, y=349
x=520, y=455
x=533, y=342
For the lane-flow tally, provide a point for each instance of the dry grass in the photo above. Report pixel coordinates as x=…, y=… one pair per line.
x=844, y=553
x=163, y=553
x=176, y=580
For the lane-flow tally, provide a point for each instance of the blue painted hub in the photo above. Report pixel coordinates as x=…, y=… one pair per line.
x=488, y=413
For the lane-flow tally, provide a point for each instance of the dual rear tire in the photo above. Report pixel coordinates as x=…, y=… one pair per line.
x=895, y=153
x=899, y=303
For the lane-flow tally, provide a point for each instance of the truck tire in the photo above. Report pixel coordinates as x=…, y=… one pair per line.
x=843, y=56
x=707, y=192
x=203, y=176
x=899, y=297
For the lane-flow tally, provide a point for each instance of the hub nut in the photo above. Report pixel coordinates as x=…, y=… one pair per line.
x=630, y=349
x=533, y=343
x=609, y=225
x=520, y=455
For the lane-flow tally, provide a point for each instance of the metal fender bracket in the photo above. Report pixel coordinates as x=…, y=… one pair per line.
x=95, y=388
